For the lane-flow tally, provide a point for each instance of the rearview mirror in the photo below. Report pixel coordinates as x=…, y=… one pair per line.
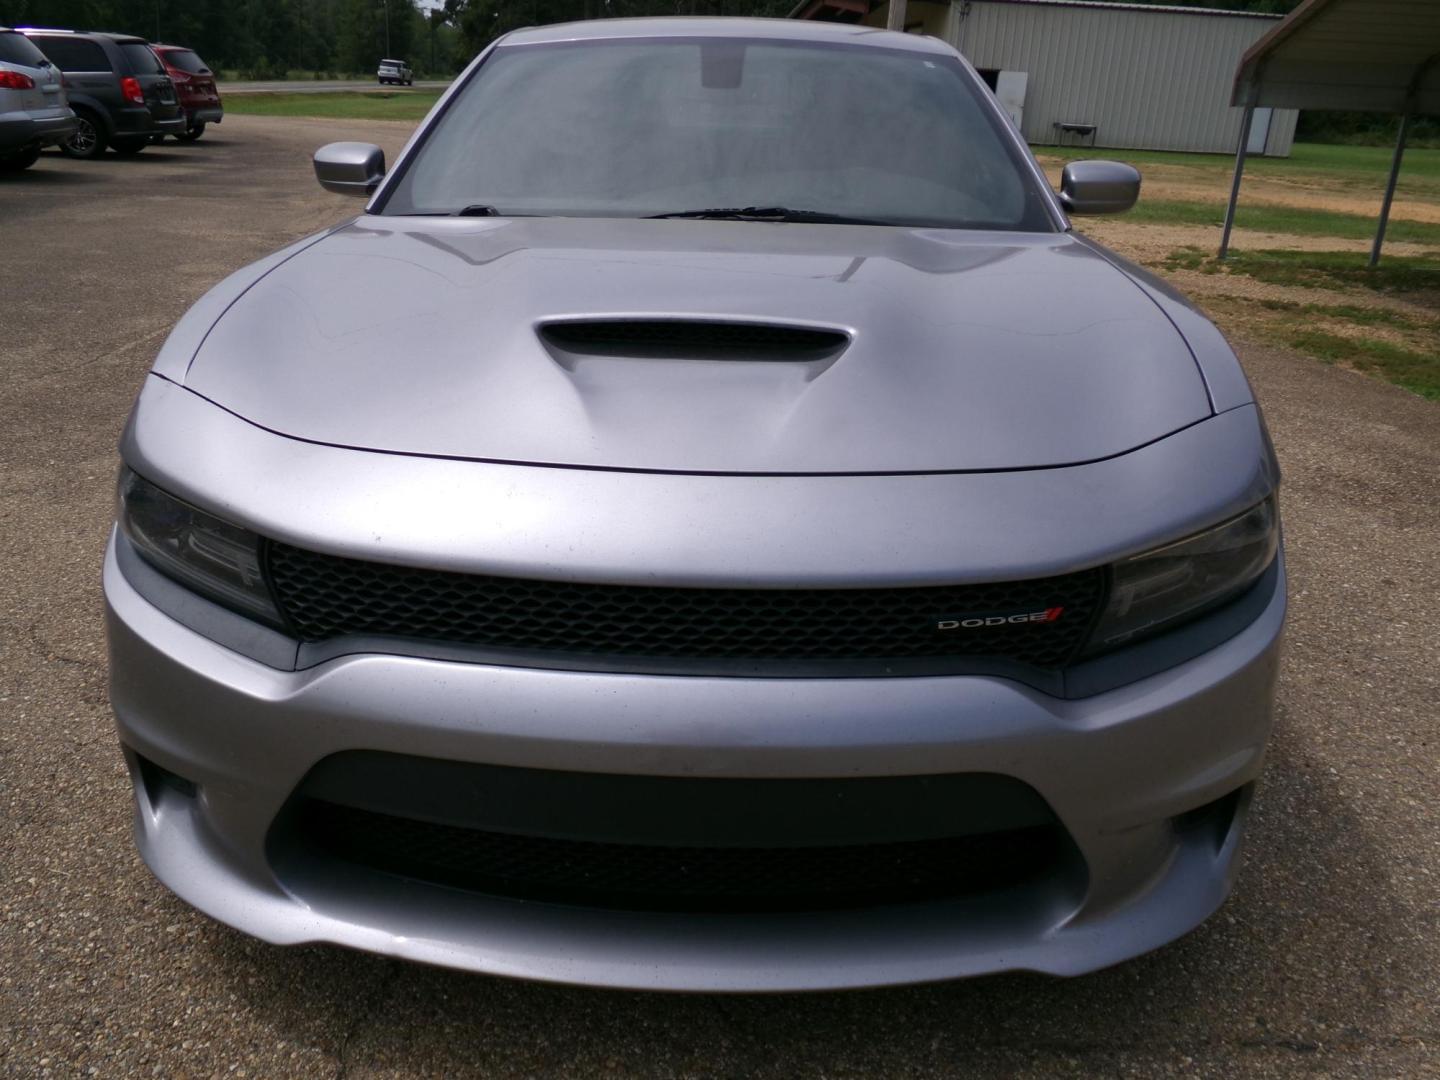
x=1099, y=187
x=350, y=168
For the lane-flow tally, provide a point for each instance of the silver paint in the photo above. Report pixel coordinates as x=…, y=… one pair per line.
x=1010, y=406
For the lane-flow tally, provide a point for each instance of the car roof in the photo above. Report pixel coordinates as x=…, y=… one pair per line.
x=119, y=39
x=685, y=26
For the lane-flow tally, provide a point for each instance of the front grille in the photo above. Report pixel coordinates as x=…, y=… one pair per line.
x=655, y=877
x=326, y=597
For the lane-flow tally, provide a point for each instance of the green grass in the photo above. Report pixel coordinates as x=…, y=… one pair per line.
x=341, y=105
x=1292, y=220
x=1413, y=362
x=1318, y=269
x=1418, y=372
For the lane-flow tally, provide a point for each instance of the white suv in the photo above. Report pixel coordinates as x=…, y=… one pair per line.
x=33, y=110
x=395, y=71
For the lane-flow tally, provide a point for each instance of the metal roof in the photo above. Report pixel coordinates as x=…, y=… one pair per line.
x=1364, y=55
x=1157, y=9
x=856, y=9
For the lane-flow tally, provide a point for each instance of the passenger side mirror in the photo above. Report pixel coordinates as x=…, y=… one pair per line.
x=350, y=168
x=1099, y=187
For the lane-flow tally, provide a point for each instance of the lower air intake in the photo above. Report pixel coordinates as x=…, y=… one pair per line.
x=655, y=877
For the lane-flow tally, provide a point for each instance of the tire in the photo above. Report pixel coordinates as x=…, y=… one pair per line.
x=193, y=133
x=130, y=147
x=19, y=162
x=89, y=140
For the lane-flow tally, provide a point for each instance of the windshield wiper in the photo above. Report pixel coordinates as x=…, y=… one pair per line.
x=473, y=210
x=768, y=213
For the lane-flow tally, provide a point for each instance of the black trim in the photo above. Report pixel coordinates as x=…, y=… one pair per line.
x=708, y=338
x=679, y=810
x=669, y=843
x=1216, y=819
x=650, y=629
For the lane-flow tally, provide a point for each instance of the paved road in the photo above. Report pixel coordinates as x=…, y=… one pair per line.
x=1326, y=962
x=319, y=86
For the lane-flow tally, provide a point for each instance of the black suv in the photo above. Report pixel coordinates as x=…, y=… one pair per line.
x=118, y=88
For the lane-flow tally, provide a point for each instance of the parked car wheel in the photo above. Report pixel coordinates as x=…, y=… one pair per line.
x=89, y=140
x=130, y=146
x=20, y=160
x=192, y=134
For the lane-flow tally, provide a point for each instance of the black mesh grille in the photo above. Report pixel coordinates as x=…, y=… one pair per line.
x=765, y=341
x=326, y=597
x=639, y=876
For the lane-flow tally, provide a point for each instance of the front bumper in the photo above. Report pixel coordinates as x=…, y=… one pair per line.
x=1118, y=769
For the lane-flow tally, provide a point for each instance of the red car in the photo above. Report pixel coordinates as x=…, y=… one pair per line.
x=195, y=85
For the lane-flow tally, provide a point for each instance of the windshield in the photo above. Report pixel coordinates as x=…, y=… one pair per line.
x=185, y=60
x=637, y=128
x=17, y=49
x=142, y=60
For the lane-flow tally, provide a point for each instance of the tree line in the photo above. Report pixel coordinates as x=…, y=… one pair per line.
x=267, y=38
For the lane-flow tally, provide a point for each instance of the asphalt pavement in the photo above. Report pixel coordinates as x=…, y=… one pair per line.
x=1325, y=963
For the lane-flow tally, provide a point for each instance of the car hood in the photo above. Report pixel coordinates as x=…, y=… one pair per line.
x=966, y=350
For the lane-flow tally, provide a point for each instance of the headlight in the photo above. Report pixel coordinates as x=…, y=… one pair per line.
x=1151, y=592
x=218, y=560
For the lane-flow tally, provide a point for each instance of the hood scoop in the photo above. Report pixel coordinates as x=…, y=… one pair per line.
x=690, y=339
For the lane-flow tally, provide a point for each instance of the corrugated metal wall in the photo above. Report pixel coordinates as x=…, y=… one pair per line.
x=1155, y=80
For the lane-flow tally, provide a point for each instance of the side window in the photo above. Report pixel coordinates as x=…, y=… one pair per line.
x=16, y=49
x=74, y=54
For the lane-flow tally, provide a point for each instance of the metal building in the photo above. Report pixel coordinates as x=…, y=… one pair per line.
x=1121, y=75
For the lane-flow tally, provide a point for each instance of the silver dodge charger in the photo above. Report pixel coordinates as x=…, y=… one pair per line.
x=709, y=524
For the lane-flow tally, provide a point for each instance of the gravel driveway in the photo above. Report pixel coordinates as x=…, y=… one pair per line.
x=1327, y=960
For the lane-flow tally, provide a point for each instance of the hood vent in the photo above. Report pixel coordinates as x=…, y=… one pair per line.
x=694, y=339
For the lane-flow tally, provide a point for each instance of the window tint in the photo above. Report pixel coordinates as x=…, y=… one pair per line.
x=628, y=129
x=17, y=49
x=141, y=58
x=185, y=60
x=74, y=54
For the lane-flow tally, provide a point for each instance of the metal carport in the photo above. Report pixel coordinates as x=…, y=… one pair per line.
x=1359, y=55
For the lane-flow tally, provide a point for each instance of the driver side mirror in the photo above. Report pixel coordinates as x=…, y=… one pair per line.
x=350, y=168
x=1099, y=187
